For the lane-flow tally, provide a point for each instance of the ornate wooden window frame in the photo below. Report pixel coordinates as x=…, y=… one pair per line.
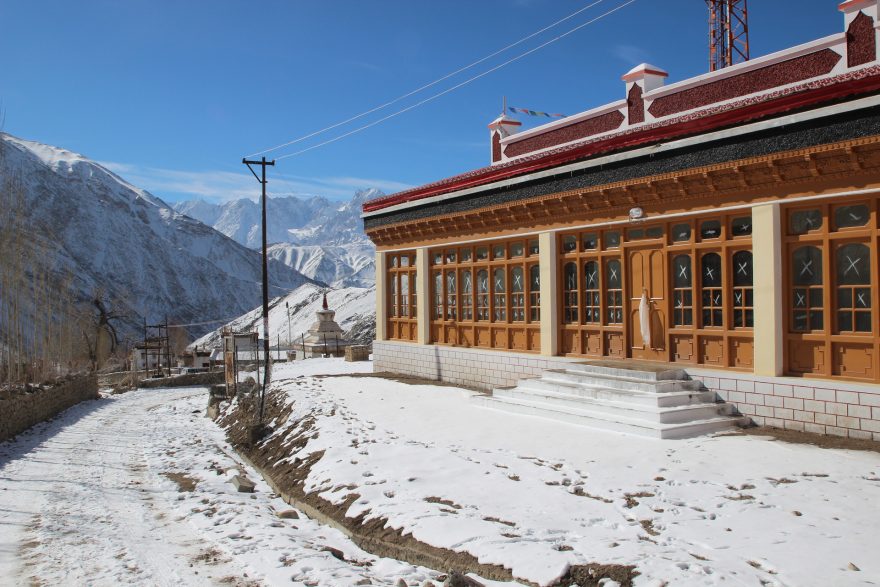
x=480, y=321
x=724, y=346
x=401, y=309
x=829, y=351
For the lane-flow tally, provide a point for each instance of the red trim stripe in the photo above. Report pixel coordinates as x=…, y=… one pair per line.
x=633, y=139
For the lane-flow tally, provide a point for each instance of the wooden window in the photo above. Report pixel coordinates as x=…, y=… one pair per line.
x=613, y=292
x=853, y=288
x=482, y=294
x=807, y=306
x=499, y=295
x=570, y=294
x=534, y=293
x=682, y=288
x=438, y=294
x=467, y=292
x=517, y=293
x=401, y=295
x=711, y=291
x=490, y=294
x=743, y=295
x=592, y=293
x=832, y=284
x=451, y=298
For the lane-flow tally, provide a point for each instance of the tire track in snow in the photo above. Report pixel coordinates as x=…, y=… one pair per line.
x=88, y=508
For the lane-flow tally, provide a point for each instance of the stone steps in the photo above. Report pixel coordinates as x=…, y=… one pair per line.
x=609, y=422
x=653, y=401
x=610, y=406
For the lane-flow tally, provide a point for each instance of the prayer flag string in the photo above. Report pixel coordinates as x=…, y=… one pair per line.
x=535, y=112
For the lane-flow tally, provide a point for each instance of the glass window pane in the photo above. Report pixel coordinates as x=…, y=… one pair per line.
x=612, y=239
x=849, y=216
x=853, y=265
x=570, y=276
x=803, y=221
x=681, y=232
x=710, y=229
x=742, y=269
x=516, y=280
x=516, y=249
x=591, y=275
x=636, y=233
x=806, y=266
x=612, y=274
x=681, y=265
x=741, y=226
x=711, y=270
x=500, y=282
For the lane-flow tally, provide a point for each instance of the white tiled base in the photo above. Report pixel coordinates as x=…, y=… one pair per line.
x=811, y=405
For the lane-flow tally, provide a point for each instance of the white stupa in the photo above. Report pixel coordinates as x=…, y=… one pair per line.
x=325, y=337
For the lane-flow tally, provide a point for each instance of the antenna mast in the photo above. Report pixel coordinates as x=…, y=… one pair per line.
x=728, y=33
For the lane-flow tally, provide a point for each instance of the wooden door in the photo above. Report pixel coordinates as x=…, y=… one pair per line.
x=647, y=273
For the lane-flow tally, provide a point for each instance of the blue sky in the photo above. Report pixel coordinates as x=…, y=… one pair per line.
x=171, y=95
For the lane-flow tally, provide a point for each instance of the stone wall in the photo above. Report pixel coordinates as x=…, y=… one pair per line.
x=20, y=409
x=209, y=378
x=838, y=408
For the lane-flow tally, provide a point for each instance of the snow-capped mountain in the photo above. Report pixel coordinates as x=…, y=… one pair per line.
x=300, y=221
x=351, y=265
x=321, y=239
x=355, y=313
x=150, y=261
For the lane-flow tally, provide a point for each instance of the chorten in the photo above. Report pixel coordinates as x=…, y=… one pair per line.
x=325, y=337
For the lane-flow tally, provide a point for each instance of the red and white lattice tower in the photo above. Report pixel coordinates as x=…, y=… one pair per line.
x=728, y=33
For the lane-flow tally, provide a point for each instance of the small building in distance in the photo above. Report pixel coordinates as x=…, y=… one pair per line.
x=726, y=224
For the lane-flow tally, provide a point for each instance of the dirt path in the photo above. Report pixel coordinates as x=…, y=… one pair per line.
x=79, y=504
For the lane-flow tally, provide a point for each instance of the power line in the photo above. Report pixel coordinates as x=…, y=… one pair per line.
x=457, y=86
x=426, y=86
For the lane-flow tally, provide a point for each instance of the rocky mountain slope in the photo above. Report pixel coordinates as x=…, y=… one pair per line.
x=149, y=260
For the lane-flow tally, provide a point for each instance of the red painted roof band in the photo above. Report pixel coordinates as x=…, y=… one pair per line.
x=572, y=153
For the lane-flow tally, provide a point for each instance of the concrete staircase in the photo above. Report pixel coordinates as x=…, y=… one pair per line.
x=630, y=397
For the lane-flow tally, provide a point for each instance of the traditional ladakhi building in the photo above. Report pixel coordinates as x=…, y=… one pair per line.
x=728, y=224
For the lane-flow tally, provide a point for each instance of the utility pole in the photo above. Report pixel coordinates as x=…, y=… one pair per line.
x=287, y=305
x=266, y=373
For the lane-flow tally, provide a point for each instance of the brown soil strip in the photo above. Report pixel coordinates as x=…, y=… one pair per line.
x=375, y=536
x=407, y=379
x=184, y=481
x=796, y=437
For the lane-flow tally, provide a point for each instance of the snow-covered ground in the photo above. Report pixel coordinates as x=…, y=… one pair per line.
x=88, y=499
x=91, y=498
x=536, y=495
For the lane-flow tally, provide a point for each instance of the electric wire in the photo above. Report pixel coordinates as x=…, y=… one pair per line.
x=426, y=86
x=455, y=87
